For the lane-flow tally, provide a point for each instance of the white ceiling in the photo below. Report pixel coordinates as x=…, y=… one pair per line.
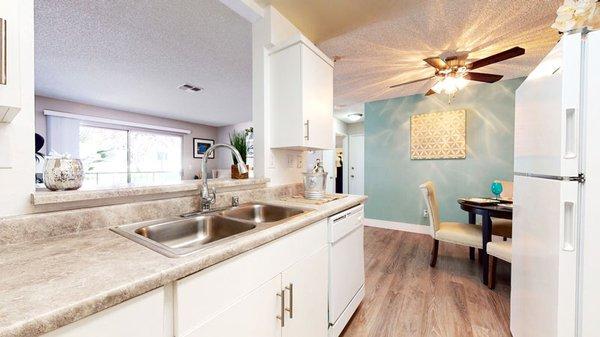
x=132, y=55
x=390, y=49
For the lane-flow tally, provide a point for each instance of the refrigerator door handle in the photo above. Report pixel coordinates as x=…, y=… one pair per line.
x=571, y=125
x=570, y=151
x=569, y=220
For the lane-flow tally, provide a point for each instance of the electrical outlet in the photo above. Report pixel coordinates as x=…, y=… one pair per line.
x=425, y=213
x=290, y=161
x=299, y=161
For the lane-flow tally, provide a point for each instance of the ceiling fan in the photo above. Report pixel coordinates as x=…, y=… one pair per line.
x=453, y=73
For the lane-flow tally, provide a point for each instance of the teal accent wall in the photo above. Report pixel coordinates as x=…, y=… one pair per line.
x=392, y=179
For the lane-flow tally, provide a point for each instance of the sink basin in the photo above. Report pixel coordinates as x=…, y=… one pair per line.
x=261, y=213
x=174, y=237
x=177, y=237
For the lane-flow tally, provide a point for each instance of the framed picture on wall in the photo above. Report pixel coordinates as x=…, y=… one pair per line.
x=200, y=147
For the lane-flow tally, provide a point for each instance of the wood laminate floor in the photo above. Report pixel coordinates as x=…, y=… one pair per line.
x=407, y=298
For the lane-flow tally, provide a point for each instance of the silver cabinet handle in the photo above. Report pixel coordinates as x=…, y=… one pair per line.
x=307, y=124
x=281, y=315
x=291, y=309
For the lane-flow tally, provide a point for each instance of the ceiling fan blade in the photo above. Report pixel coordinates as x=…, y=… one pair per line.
x=430, y=92
x=481, y=77
x=436, y=62
x=505, y=55
x=411, y=82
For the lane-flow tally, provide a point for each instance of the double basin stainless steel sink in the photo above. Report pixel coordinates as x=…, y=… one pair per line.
x=179, y=236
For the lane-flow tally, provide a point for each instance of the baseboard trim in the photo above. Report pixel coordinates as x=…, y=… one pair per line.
x=398, y=226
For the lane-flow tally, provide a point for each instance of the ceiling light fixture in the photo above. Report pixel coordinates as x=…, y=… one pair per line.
x=355, y=117
x=450, y=85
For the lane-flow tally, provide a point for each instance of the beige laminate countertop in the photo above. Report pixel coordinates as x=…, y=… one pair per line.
x=48, y=284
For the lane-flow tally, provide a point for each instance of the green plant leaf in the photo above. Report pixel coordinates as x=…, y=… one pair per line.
x=238, y=140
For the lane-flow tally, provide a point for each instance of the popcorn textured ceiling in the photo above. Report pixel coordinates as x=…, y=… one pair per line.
x=390, y=50
x=133, y=55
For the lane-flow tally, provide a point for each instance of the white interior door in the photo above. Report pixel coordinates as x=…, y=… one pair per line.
x=306, y=297
x=356, y=164
x=544, y=262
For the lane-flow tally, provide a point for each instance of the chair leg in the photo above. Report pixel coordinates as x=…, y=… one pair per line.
x=480, y=256
x=434, y=253
x=492, y=274
x=472, y=253
x=505, y=239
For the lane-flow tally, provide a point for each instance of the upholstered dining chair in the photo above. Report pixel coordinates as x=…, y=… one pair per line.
x=503, y=227
x=453, y=232
x=497, y=250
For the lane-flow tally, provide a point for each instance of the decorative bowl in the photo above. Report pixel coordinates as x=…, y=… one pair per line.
x=62, y=174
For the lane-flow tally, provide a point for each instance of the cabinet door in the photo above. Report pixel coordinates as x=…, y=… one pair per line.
x=317, y=100
x=305, y=285
x=254, y=315
x=142, y=316
x=10, y=85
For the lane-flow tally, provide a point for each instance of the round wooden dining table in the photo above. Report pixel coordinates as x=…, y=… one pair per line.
x=487, y=212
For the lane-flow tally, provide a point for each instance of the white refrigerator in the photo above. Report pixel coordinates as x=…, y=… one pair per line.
x=555, y=287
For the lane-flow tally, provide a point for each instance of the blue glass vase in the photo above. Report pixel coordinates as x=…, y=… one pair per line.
x=496, y=188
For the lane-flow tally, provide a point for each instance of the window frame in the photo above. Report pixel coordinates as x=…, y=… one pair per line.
x=128, y=129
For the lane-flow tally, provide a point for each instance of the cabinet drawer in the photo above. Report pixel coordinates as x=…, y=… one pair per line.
x=202, y=296
x=142, y=316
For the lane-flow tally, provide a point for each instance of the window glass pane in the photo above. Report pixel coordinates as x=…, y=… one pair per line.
x=155, y=157
x=104, y=156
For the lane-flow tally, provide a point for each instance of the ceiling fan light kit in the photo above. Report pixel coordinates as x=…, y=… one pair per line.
x=454, y=73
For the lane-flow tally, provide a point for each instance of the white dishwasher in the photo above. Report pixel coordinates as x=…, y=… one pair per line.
x=346, y=267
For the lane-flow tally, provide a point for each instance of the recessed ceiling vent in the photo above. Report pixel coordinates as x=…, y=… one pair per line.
x=190, y=88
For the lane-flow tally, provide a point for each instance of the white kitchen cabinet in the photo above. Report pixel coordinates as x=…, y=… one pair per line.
x=142, y=316
x=305, y=285
x=252, y=316
x=247, y=291
x=301, y=96
x=10, y=79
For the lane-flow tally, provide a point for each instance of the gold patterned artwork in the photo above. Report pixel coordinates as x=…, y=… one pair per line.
x=438, y=135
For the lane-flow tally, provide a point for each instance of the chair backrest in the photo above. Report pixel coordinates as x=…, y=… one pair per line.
x=507, y=189
x=433, y=208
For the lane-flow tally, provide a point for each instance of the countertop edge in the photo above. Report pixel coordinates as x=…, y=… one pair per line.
x=58, y=318
x=58, y=197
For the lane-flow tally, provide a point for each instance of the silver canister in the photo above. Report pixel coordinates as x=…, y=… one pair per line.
x=63, y=174
x=314, y=185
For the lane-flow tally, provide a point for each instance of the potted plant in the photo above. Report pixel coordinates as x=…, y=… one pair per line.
x=238, y=140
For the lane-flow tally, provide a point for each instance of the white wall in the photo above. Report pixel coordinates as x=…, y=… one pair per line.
x=190, y=165
x=356, y=128
x=17, y=183
x=340, y=127
x=281, y=166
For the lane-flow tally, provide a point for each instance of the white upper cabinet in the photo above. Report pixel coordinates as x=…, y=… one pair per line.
x=10, y=78
x=301, y=96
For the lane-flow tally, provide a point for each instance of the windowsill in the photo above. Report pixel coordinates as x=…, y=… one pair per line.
x=46, y=197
